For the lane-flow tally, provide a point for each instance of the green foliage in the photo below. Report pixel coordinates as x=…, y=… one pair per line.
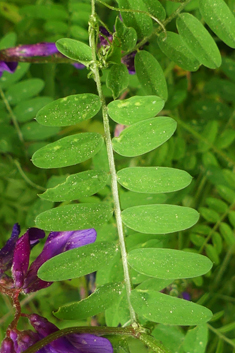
x=164, y=175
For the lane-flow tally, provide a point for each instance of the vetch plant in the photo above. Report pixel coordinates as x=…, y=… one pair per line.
x=122, y=187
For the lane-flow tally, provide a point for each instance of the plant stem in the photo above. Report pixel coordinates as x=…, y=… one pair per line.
x=14, y=120
x=114, y=185
x=24, y=176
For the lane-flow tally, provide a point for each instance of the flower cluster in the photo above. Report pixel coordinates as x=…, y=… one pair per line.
x=105, y=41
x=15, y=256
x=18, y=341
x=30, y=50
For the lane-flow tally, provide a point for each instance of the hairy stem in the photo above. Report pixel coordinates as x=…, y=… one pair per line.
x=114, y=185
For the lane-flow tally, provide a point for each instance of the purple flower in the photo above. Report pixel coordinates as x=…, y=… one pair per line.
x=16, y=253
x=128, y=60
x=30, y=50
x=38, y=49
x=6, y=253
x=186, y=295
x=19, y=341
x=7, y=66
x=106, y=38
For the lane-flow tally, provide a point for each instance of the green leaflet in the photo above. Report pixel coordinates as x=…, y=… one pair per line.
x=117, y=79
x=196, y=339
x=26, y=110
x=127, y=35
x=24, y=90
x=75, y=50
x=76, y=186
x=132, y=110
x=168, y=263
x=68, y=151
x=153, y=179
x=141, y=22
x=220, y=19
x=75, y=217
x=199, y=41
x=154, y=284
x=103, y=297
x=33, y=131
x=176, y=50
x=77, y=262
x=165, y=309
x=144, y=136
x=70, y=110
x=159, y=219
x=156, y=9
x=150, y=74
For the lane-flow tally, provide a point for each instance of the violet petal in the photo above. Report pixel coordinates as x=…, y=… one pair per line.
x=38, y=49
x=21, y=260
x=7, y=66
x=57, y=242
x=128, y=60
x=45, y=328
x=22, y=253
x=6, y=253
x=85, y=343
x=78, y=66
x=7, y=346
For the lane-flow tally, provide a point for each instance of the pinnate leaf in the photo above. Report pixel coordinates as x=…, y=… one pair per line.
x=68, y=151
x=103, y=297
x=220, y=19
x=70, y=110
x=75, y=217
x=77, y=262
x=153, y=179
x=199, y=41
x=168, y=263
x=117, y=79
x=176, y=50
x=165, y=309
x=144, y=136
x=159, y=219
x=150, y=75
x=76, y=186
x=141, y=22
x=75, y=50
x=135, y=109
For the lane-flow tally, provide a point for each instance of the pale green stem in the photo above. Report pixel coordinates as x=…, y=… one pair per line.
x=114, y=184
x=14, y=120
